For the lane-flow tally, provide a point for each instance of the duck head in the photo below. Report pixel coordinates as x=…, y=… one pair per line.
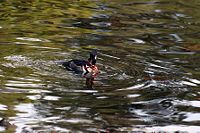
x=93, y=57
x=93, y=69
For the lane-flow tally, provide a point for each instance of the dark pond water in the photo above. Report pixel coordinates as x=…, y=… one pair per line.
x=148, y=54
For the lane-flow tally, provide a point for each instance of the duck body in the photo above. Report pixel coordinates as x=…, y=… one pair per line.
x=87, y=68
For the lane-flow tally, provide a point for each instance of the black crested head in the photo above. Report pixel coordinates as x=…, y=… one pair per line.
x=93, y=57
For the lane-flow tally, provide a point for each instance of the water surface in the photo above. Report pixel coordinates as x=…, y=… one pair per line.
x=148, y=54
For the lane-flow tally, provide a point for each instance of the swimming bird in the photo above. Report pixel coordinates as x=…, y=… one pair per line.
x=87, y=68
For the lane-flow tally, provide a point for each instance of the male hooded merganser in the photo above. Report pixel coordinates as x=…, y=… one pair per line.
x=87, y=68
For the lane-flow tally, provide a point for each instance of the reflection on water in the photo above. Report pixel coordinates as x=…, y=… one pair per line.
x=148, y=57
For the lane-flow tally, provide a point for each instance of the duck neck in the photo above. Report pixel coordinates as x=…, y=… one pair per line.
x=92, y=61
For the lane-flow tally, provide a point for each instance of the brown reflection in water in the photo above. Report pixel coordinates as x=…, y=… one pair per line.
x=89, y=82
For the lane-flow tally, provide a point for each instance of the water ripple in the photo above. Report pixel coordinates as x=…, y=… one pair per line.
x=32, y=39
x=3, y=107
